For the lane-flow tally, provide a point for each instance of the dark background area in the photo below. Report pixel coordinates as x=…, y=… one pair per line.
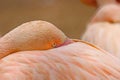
x=71, y=16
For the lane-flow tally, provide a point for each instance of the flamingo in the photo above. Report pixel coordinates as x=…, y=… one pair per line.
x=104, y=28
x=75, y=61
x=78, y=60
x=33, y=35
x=68, y=60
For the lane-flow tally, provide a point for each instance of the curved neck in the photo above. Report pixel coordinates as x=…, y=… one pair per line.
x=5, y=48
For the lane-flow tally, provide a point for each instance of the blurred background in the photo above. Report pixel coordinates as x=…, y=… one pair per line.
x=71, y=16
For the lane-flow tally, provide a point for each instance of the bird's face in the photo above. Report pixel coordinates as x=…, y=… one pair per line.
x=36, y=35
x=54, y=38
x=54, y=41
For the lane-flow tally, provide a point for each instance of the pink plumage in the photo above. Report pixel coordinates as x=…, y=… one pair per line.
x=77, y=61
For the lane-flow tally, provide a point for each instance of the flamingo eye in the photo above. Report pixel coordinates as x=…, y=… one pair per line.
x=54, y=45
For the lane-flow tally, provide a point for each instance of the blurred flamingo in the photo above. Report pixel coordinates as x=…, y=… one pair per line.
x=104, y=28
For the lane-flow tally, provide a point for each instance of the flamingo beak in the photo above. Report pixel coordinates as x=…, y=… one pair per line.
x=67, y=41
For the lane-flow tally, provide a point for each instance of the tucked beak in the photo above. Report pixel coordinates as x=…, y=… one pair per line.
x=67, y=41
